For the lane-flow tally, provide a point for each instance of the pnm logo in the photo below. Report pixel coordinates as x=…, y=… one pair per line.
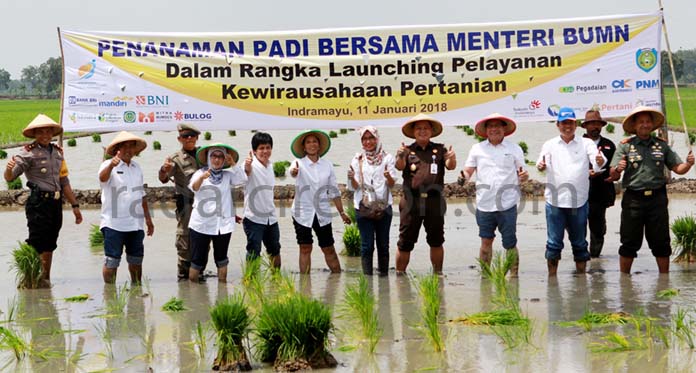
x=646, y=59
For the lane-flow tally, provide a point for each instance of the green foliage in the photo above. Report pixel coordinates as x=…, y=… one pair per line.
x=343, y=131
x=350, y=211
x=667, y=293
x=279, y=168
x=72, y=142
x=692, y=138
x=351, y=240
x=148, y=132
x=684, y=230
x=15, y=184
x=200, y=337
x=232, y=133
x=3, y=154
x=610, y=128
x=333, y=134
x=429, y=291
x=156, y=145
x=77, y=298
x=117, y=304
x=525, y=148
x=9, y=340
x=507, y=317
x=592, y=319
x=469, y=131
x=479, y=138
x=207, y=135
x=360, y=307
x=27, y=265
x=174, y=304
x=294, y=328
x=641, y=337
x=96, y=137
x=231, y=321
x=496, y=271
x=96, y=237
x=682, y=327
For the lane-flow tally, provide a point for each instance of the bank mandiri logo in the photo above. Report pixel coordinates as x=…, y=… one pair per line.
x=646, y=59
x=87, y=70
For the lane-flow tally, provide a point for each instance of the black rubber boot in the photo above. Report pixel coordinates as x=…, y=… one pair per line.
x=366, y=265
x=596, y=244
x=383, y=265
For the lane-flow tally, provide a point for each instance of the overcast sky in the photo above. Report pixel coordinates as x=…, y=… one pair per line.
x=29, y=36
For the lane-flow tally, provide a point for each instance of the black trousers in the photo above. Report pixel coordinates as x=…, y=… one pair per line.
x=44, y=220
x=598, y=227
x=645, y=213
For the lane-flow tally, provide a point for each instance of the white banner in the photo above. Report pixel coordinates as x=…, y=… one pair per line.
x=343, y=77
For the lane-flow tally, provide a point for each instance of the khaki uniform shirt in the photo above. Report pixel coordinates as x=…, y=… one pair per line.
x=425, y=168
x=184, y=167
x=645, y=162
x=43, y=166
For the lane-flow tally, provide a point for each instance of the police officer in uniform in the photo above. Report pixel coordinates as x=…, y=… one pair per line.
x=644, y=204
x=423, y=164
x=179, y=167
x=602, y=192
x=47, y=176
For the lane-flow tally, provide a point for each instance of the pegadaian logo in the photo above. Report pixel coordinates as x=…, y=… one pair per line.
x=86, y=71
x=646, y=59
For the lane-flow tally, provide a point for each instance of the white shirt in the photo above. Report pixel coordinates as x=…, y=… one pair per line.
x=567, y=170
x=315, y=186
x=373, y=177
x=122, y=197
x=497, y=185
x=258, y=194
x=213, y=209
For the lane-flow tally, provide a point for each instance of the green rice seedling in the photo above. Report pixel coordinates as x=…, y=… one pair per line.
x=11, y=310
x=479, y=138
x=117, y=304
x=15, y=184
x=350, y=211
x=501, y=317
x=27, y=265
x=207, y=135
x=525, y=148
x=174, y=304
x=72, y=143
x=667, y=293
x=254, y=279
x=9, y=340
x=286, y=163
x=692, y=138
x=96, y=237
x=105, y=335
x=684, y=229
x=231, y=321
x=610, y=128
x=360, y=306
x=282, y=284
x=148, y=132
x=232, y=133
x=496, y=272
x=279, y=169
x=592, y=319
x=429, y=291
x=156, y=145
x=683, y=328
x=615, y=342
x=200, y=337
x=96, y=137
x=343, y=131
x=515, y=335
x=351, y=241
x=77, y=298
x=295, y=329
x=333, y=134
x=529, y=163
x=3, y=154
x=469, y=131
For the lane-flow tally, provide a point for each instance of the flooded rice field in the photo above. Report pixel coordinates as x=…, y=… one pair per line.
x=89, y=336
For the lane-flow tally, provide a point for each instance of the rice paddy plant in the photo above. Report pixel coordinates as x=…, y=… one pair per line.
x=9, y=340
x=77, y=298
x=117, y=304
x=3, y=154
x=514, y=336
x=350, y=211
x=200, y=337
x=684, y=229
x=524, y=146
x=232, y=133
x=692, y=138
x=429, y=291
x=72, y=143
x=592, y=319
x=96, y=237
x=105, y=335
x=501, y=317
x=343, y=131
x=11, y=310
x=15, y=184
x=496, y=272
x=469, y=131
x=610, y=128
x=637, y=340
x=207, y=135
x=683, y=328
x=27, y=265
x=667, y=293
x=148, y=132
x=96, y=137
x=360, y=306
x=282, y=285
x=231, y=321
x=293, y=329
x=351, y=241
x=174, y=304
x=333, y=134
x=279, y=169
x=254, y=279
x=156, y=145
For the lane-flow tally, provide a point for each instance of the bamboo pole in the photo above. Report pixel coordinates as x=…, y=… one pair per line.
x=674, y=78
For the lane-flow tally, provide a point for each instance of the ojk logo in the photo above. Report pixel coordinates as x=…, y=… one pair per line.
x=621, y=84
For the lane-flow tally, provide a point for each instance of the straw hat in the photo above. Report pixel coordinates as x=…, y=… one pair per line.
x=124, y=136
x=593, y=116
x=202, y=153
x=629, y=123
x=297, y=145
x=407, y=128
x=42, y=121
x=510, y=125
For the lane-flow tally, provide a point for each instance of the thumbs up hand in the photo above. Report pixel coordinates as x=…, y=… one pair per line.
x=599, y=158
x=116, y=159
x=168, y=165
x=622, y=164
x=247, y=162
x=294, y=168
x=351, y=173
x=522, y=175
x=450, y=154
x=541, y=166
x=403, y=149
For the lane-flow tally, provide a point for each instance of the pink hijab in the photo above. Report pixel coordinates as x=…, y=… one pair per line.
x=373, y=157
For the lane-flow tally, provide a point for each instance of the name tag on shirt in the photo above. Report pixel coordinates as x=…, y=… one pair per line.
x=433, y=168
x=119, y=172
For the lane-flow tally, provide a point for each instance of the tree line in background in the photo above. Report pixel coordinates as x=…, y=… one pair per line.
x=45, y=80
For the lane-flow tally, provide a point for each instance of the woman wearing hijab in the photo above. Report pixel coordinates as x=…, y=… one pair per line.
x=371, y=176
x=315, y=185
x=213, y=218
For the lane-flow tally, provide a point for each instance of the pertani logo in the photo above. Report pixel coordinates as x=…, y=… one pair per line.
x=87, y=70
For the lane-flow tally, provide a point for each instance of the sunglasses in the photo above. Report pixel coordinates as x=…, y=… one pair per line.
x=188, y=136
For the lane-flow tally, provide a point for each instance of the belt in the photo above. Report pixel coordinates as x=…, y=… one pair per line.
x=646, y=192
x=48, y=195
x=433, y=193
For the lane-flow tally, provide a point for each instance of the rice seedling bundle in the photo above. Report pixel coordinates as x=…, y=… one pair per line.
x=232, y=133
x=507, y=317
x=592, y=319
x=174, y=304
x=96, y=237
x=9, y=340
x=15, y=184
x=429, y=291
x=333, y=134
x=667, y=293
x=279, y=169
x=148, y=132
x=684, y=230
x=96, y=137
x=207, y=135
x=3, y=154
x=72, y=142
x=117, y=304
x=156, y=145
x=351, y=240
x=27, y=265
x=360, y=306
x=343, y=131
x=77, y=298
x=610, y=128
x=231, y=321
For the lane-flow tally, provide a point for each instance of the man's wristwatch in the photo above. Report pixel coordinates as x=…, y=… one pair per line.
x=75, y=205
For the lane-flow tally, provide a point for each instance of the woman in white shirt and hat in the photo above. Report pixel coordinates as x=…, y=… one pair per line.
x=213, y=218
x=315, y=185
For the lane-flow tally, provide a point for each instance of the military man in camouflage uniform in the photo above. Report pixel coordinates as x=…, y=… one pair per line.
x=178, y=168
x=47, y=176
x=644, y=204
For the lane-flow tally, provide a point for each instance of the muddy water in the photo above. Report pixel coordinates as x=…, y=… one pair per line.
x=147, y=337
x=84, y=159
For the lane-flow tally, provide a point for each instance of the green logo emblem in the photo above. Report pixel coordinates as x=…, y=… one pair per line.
x=646, y=59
